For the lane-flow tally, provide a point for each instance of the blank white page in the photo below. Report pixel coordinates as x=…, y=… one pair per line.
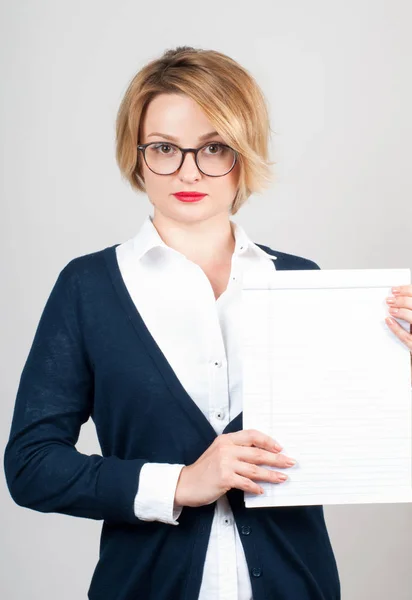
x=325, y=376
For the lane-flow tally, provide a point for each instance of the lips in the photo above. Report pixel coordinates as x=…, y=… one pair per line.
x=189, y=196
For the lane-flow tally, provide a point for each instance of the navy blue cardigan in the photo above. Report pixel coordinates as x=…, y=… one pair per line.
x=92, y=355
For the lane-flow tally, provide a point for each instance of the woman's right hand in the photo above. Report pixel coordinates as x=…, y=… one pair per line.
x=230, y=462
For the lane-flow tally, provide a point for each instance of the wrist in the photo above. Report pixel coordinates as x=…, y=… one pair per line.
x=180, y=499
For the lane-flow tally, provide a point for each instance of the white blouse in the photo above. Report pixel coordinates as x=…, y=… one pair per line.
x=198, y=336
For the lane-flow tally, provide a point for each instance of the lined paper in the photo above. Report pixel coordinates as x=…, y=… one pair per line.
x=325, y=376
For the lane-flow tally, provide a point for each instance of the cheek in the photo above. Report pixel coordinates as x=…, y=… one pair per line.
x=149, y=177
x=228, y=183
x=224, y=186
x=234, y=180
x=234, y=175
x=156, y=185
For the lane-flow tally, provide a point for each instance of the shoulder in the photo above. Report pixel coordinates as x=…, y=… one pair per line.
x=90, y=262
x=88, y=270
x=287, y=261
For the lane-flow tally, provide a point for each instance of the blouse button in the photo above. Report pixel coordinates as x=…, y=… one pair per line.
x=218, y=363
x=220, y=413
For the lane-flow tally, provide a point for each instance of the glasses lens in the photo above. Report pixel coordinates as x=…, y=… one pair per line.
x=216, y=159
x=213, y=159
x=163, y=158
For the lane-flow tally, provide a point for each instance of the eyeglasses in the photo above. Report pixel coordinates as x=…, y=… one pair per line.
x=164, y=159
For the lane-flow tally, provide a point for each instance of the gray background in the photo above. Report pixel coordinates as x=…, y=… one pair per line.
x=337, y=76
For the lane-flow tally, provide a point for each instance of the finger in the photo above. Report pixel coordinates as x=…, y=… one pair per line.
x=257, y=473
x=401, y=313
x=402, y=334
x=245, y=484
x=258, y=456
x=253, y=437
x=402, y=290
x=399, y=302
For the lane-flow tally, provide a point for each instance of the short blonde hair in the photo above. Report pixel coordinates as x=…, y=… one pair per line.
x=227, y=93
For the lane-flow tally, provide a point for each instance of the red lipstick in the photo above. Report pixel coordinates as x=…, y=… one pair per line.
x=189, y=196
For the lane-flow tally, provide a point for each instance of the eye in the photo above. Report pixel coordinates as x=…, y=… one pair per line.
x=217, y=147
x=161, y=146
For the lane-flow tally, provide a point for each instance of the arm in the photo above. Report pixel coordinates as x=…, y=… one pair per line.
x=43, y=469
x=154, y=500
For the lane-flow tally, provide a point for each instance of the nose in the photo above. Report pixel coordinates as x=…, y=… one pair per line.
x=189, y=171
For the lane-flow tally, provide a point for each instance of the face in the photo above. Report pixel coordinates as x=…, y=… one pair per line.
x=181, y=117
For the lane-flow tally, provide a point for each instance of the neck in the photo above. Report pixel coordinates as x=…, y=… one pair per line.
x=204, y=242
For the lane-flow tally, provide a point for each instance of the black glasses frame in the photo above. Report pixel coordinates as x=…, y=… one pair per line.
x=184, y=151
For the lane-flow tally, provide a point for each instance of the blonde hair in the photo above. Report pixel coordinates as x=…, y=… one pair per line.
x=227, y=93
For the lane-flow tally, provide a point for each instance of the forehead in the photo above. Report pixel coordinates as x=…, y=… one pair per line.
x=177, y=115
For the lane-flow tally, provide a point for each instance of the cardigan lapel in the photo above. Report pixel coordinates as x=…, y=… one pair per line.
x=178, y=392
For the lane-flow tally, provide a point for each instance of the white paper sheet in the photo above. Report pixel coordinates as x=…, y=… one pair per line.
x=325, y=376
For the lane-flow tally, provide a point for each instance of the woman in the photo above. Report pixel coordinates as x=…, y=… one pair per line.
x=141, y=336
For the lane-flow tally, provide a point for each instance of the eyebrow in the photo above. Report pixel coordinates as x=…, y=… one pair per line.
x=205, y=136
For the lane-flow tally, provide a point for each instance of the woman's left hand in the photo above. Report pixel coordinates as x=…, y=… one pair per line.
x=401, y=307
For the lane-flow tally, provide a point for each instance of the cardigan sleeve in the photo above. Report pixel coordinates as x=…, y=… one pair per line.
x=44, y=471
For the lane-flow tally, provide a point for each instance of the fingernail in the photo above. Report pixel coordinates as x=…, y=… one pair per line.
x=395, y=290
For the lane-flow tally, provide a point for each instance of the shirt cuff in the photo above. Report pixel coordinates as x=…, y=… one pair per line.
x=154, y=500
